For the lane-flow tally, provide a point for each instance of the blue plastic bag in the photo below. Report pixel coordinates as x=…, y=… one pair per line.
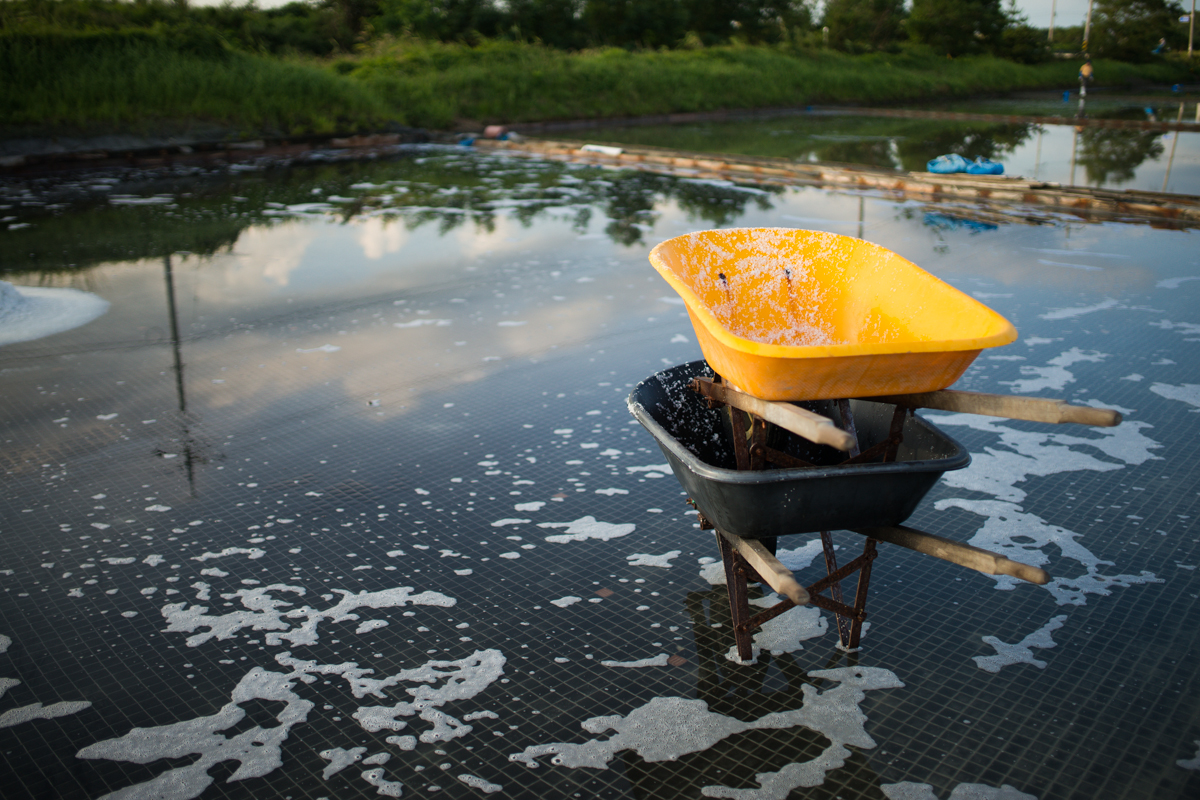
x=948, y=164
x=984, y=166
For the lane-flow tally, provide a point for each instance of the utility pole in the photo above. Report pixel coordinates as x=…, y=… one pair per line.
x=1191, y=29
x=1053, y=8
x=1087, y=27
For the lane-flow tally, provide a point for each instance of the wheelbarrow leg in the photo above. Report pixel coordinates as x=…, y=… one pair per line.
x=739, y=601
x=860, y=595
x=835, y=589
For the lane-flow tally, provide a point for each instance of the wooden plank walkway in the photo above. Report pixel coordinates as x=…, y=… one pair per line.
x=998, y=197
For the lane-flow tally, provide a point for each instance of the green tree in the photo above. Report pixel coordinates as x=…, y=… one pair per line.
x=873, y=24
x=1129, y=30
x=629, y=23
x=557, y=23
x=1020, y=41
x=716, y=21
x=446, y=20
x=957, y=27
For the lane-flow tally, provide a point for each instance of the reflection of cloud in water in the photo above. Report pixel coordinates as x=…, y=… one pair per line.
x=268, y=255
x=379, y=236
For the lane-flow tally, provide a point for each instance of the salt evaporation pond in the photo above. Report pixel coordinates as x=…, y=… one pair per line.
x=341, y=498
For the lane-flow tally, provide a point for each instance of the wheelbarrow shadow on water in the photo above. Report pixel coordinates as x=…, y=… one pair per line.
x=748, y=692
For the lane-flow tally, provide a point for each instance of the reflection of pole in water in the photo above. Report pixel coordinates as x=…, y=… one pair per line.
x=1037, y=159
x=189, y=455
x=1074, y=142
x=1175, y=141
x=861, y=207
x=170, y=279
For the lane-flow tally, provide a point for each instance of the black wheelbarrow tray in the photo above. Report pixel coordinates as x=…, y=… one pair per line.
x=758, y=504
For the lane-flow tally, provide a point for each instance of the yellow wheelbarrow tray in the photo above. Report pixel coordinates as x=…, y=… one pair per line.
x=788, y=314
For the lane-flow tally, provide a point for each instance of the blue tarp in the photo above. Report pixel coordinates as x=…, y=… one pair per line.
x=953, y=162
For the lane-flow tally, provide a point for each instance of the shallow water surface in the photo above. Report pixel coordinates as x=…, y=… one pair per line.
x=341, y=498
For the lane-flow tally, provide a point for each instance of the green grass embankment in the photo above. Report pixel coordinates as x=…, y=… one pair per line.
x=137, y=80
x=504, y=82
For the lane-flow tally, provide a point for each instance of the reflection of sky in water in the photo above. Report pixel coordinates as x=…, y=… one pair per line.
x=423, y=543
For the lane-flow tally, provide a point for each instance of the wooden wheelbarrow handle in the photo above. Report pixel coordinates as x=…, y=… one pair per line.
x=1034, y=409
x=768, y=567
x=964, y=555
x=799, y=421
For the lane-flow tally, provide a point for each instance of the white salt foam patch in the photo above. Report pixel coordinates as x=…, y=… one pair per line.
x=907, y=790
x=464, y=679
x=1187, y=393
x=33, y=312
x=569, y=600
x=417, y=323
x=536, y=505
x=784, y=633
x=264, y=612
x=1021, y=536
x=795, y=559
x=712, y=571
x=1185, y=328
x=325, y=348
x=1022, y=651
x=1191, y=763
x=651, y=469
x=251, y=552
x=15, y=716
x=371, y=625
x=611, y=492
x=799, y=558
x=1079, y=311
x=383, y=786
x=666, y=728
x=1055, y=374
x=1043, y=453
x=500, y=523
x=479, y=783
x=659, y=660
x=648, y=560
x=1175, y=283
x=588, y=528
x=339, y=759
x=377, y=760
x=258, y=750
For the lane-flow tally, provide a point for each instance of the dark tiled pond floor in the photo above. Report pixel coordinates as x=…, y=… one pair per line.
x=378, y=515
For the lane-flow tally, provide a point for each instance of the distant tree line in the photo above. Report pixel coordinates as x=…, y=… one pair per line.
x=1123, y=29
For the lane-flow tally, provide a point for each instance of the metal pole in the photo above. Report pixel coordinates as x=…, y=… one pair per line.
x=1191, y=29
x=1053, y=7
x=1087, y=27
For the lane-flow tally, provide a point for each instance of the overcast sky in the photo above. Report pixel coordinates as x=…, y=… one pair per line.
x=1068, y=12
